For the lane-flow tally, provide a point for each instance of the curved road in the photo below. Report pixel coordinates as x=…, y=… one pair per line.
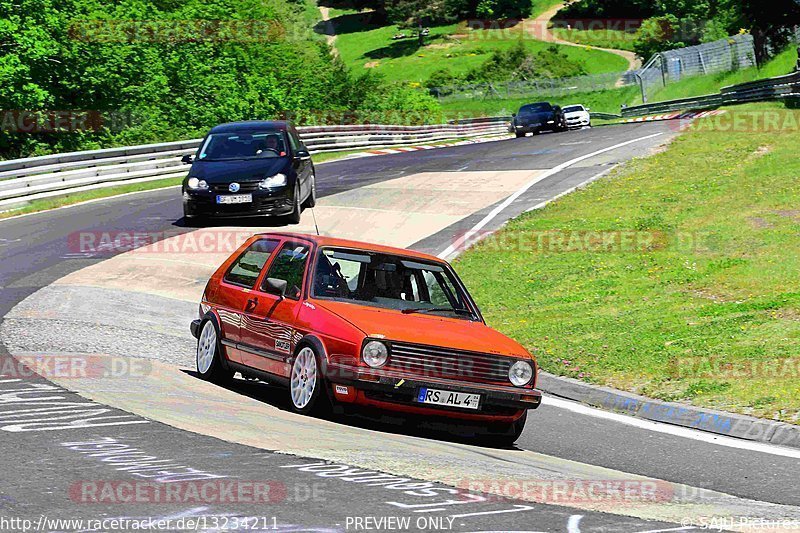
x=38, y=250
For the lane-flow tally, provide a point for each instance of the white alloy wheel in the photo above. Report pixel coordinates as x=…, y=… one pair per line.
x=304, y=378
x=206, y=348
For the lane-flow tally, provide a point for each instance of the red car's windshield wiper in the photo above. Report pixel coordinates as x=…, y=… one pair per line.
x=465, y=312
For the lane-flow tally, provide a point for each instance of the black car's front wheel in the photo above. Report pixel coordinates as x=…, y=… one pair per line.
x=519, y=134
x=311, y=201
x=294, y=216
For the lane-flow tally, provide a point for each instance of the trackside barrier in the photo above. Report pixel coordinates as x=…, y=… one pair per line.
x=22, y=180
x=781, y=87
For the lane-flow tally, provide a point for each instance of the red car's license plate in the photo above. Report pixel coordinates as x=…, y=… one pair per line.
x=464, y=400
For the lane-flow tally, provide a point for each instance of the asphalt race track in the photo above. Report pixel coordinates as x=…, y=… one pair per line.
x=129, y=313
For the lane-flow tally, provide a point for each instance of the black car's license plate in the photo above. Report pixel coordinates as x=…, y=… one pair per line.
x=235, y=199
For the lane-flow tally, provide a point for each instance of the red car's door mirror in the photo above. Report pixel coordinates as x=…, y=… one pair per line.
x=276, y=286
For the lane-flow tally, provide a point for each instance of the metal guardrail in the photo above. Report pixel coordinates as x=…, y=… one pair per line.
x=755, y=91
x=23, y=180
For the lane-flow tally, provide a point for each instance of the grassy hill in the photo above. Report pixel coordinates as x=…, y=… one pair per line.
x=366, y=46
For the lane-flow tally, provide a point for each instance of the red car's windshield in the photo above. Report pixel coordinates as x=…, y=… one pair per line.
x=389, y=281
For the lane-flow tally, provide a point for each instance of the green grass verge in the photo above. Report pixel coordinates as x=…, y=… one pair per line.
x=717, y=286
x=781, y=64
x=608, y=101
x=76, y=198
x=455, y=47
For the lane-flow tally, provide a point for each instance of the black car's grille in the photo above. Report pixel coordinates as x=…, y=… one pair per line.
x=433, y=361
x=224, y=188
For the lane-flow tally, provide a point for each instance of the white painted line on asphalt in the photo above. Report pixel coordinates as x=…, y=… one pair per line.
x=571, y=189
x=511, y=199
x=676, y=431
x=574, y=523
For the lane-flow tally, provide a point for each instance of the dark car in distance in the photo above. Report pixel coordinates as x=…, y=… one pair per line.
x=253, y=168
x=535, y=118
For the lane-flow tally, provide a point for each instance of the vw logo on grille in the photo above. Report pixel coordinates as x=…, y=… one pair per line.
x=234, y=187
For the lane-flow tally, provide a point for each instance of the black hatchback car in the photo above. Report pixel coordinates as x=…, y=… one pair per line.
x=254, y=168
x=534, y=118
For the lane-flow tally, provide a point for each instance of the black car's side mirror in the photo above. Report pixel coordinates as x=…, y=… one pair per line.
x=188, y=159
x=302, y=154
x=276, y=286
x=513, y=115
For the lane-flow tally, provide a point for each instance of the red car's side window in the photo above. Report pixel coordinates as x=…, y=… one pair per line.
x=245, y=270
x=290, y=266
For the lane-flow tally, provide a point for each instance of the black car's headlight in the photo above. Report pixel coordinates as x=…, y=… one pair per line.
x=273, y=182
x=520, y=373
x=197, y=184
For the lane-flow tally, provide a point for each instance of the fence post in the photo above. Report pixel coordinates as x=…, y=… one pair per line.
x=797, y=67
x=641, y=86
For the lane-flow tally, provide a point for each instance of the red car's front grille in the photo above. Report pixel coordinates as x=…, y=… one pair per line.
x=434, y=361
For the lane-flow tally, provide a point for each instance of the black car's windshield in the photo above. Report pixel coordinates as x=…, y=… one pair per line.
x=390, y=281
x=535, y=108
x=255, y=145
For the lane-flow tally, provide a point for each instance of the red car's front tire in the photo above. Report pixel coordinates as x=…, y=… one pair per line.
x=307, y=386
x=509, y=434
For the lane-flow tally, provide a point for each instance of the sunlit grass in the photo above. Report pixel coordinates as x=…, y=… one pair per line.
x=718, y=286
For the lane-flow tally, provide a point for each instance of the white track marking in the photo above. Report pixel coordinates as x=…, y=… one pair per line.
x=571, y=189
x=677, y=431
x=511, y=199
x=574, y=523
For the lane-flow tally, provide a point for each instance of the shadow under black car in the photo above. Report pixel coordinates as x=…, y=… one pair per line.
x=244, y=222
x=447, y=430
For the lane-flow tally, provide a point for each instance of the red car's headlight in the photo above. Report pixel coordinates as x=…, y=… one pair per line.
x=520, y=373
x=375, y=354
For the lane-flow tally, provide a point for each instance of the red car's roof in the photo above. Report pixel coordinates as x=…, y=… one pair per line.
x=322, y=240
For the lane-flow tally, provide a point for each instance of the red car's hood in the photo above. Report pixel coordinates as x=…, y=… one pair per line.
x=425, y=329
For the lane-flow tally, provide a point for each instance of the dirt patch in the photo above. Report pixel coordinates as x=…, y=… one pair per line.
x=372, y=64
x=761, y=151
x=788, y=213
x=708, y=295
x=760, y=223
x=787, y=314
x=440, y=46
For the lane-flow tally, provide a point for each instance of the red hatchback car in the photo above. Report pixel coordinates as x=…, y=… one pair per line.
x=343, y=322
